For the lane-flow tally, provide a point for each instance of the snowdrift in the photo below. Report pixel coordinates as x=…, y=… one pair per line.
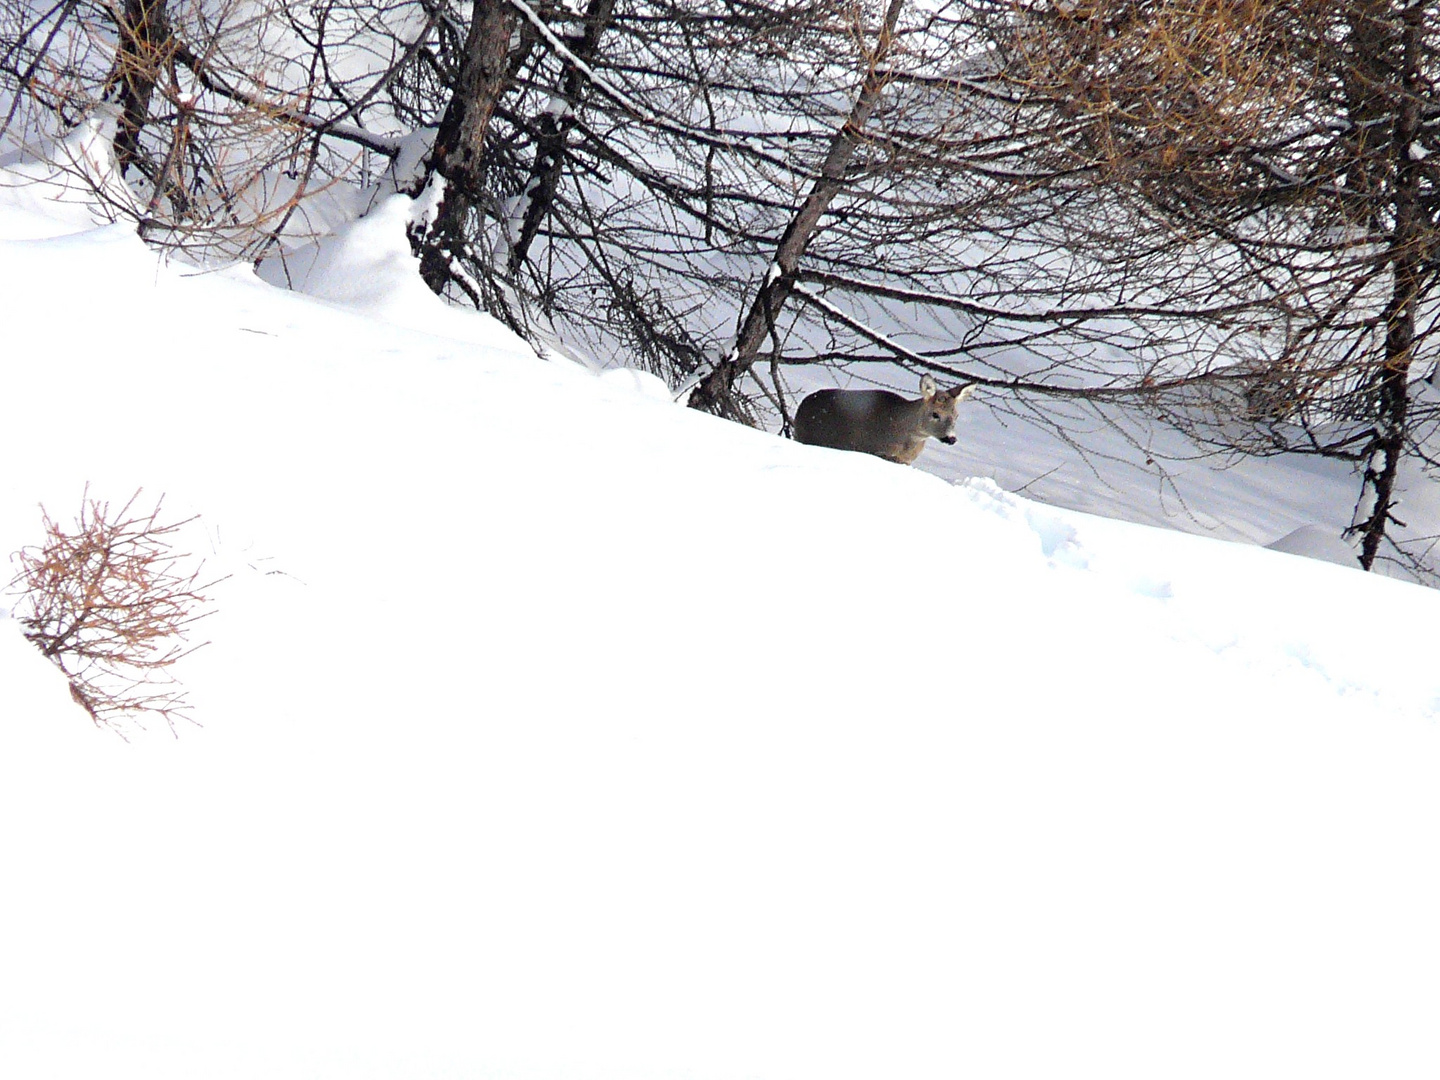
x=554, y=731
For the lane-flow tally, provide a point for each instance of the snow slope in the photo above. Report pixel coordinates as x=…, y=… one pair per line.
x=552, y=730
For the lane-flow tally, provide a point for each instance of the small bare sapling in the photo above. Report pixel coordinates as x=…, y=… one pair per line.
x=112, y=604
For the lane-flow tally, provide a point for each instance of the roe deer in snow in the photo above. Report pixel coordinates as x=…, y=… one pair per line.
x=879, y=422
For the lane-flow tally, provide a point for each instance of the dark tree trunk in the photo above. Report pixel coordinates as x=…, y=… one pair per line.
x=458, y=156
x=714, y=391
x=549, y=161
x=145, y=49
x=1408, y=249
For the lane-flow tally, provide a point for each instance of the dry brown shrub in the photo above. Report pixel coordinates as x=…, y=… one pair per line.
x=111, y=603
x=1167, y=89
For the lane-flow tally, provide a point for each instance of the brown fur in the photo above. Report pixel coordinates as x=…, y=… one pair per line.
x=879, y=422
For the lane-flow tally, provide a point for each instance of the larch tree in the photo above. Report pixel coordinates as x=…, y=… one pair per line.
x=716, y=386
x=456, y=165
x=1288, y=145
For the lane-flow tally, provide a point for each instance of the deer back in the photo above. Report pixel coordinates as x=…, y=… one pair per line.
x=879, y=422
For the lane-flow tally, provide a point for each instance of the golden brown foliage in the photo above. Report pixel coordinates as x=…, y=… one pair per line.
x=1162, y=88
x=111, y=603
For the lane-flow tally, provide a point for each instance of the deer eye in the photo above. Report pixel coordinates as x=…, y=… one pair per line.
x=934, y=416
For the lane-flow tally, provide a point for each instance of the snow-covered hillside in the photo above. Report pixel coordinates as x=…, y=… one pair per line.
x=552, y=730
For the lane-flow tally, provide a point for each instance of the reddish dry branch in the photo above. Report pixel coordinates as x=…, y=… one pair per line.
x=111, y=603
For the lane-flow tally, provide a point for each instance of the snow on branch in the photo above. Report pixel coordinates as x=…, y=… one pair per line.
x=883, y=340
x=596, y=79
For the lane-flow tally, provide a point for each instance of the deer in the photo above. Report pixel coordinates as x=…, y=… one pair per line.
x=879, y=422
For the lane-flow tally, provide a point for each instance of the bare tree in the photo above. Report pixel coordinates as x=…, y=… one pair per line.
x=144, y=54
x=555, y=125
x=230, y=114
x=715, y=387
x=1220, y=212
x=1291, y=142
x=456, y=165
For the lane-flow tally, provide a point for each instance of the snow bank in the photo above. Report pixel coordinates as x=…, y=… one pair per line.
x=552, y=730
x=65, y=185
x=1317, y=542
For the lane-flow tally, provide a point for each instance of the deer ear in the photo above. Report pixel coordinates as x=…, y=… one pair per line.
x=960, y=393
x=927, y=387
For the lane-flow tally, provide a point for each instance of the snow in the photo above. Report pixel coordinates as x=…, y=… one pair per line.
x=67, y=185
x=553, y=730
x=366, y=263
x=1316, y=543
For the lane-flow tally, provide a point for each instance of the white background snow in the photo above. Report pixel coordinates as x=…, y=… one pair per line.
x=552, y=730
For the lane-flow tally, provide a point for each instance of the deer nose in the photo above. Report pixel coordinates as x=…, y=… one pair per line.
x=949, y=440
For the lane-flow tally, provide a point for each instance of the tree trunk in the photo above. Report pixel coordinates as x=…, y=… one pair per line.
x=1408, y=254
x=458, y=156
x=554, y=131
x=145, y=47
x=714, y=391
